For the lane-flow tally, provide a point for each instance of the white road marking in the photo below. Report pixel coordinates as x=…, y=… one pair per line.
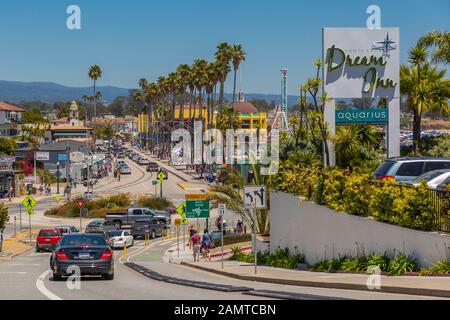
x=24, y=264
x=13, y=272
x=41, y=287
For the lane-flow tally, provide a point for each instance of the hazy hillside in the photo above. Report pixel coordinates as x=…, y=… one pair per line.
x=14, y=91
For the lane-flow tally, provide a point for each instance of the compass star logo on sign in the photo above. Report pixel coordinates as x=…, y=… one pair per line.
x=387, y=45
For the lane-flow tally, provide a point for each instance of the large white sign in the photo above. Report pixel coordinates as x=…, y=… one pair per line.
x=42, y=156
x=361, y=63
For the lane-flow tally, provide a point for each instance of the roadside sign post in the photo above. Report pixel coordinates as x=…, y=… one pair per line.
x=255, y=197
x=222, y=208
x=161, y=177
x=177, y=223
x=80, y=203
x=20, y=217
x=155, y=183
x=29, y=202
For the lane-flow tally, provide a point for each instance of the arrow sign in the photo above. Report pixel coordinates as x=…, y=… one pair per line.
x=255, y=197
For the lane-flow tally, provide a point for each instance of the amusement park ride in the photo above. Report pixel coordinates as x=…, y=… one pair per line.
x=280, y=122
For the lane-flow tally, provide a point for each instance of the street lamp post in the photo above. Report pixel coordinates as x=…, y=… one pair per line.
x=57, y=177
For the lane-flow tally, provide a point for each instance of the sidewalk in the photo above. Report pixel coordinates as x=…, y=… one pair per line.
x=79, y=190
x=410, y=285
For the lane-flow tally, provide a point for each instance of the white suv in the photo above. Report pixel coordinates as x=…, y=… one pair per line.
x=405, y=169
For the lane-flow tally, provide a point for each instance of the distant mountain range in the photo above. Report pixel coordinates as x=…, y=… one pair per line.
x=15, y=91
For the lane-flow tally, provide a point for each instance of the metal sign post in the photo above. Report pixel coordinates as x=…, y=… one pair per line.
x=222, y=208
x=255, y=197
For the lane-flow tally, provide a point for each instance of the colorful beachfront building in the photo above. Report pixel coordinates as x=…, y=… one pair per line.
x=248, y=114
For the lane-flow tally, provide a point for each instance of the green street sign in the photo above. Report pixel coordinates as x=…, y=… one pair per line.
x=154, y=182
x=197, y=209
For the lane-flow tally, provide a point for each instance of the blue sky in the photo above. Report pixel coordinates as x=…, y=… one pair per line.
x=146, y=38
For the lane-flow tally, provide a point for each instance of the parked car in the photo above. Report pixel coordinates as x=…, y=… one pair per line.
x=48, y=239
x=136, y=213
x=89, y=252
x=136, y=158
x=100, y=226
x=120, y=239
x=121, y=162
x=67, y=230
x=152, y=167
x=436, y=179
x=153, y=227
x=143, y=161
x=404, y=169
x=124, y=169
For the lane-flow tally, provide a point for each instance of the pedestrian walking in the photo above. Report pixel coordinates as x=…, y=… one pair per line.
x=207, y=245
x=195, y=240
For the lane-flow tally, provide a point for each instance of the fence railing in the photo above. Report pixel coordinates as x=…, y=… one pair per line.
x=441, y=205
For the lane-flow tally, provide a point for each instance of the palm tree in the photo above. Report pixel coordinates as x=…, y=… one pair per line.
x=200, y=72
x=237, y=56
x=356, y=143
x=426, y=90
x=223, y=56
x=230, y=193
x=228, y=118
x=95, y=73
x=440, y=40
x=183, y=76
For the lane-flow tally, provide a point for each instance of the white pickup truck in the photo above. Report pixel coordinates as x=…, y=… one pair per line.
x=137, y=213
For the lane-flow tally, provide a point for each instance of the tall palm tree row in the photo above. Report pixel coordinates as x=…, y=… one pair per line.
x=194, y=84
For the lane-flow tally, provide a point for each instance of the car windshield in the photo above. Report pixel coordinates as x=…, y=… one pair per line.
x=384, y=168
x=115, y=233
x=95, y=223
x=83, y=240
x=427, y=177
x=48, y=233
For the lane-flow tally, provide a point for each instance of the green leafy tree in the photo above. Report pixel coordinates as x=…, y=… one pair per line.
x=7, y=146
x=426, y=90
x=223, y=56
x=34, y=116
x=440, y=42
x=228, y=118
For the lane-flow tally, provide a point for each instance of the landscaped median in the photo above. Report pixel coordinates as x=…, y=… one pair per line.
x=423, y=286
x=18, y=244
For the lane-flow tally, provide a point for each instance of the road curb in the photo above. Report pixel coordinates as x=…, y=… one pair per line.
x=197, y=284
x=329, y=285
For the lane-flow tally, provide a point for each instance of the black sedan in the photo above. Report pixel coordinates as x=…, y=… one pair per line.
x=89, y=252
x=152, y=167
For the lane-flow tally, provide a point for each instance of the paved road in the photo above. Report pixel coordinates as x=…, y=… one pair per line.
x=29, y=277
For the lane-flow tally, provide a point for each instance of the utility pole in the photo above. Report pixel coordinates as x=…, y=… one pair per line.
x=57, y=177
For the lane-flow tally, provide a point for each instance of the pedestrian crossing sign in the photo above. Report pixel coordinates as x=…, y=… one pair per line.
x=29, y=202
x=182, y=212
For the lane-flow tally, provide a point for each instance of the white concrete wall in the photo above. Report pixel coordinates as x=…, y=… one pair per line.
x=319, y=232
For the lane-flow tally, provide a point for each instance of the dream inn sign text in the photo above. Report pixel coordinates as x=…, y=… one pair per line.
x=363, y=63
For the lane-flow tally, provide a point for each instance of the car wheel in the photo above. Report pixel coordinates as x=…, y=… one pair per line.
x=38, y=249
x=56, y=277
x=108, y=276
x=118, y=225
